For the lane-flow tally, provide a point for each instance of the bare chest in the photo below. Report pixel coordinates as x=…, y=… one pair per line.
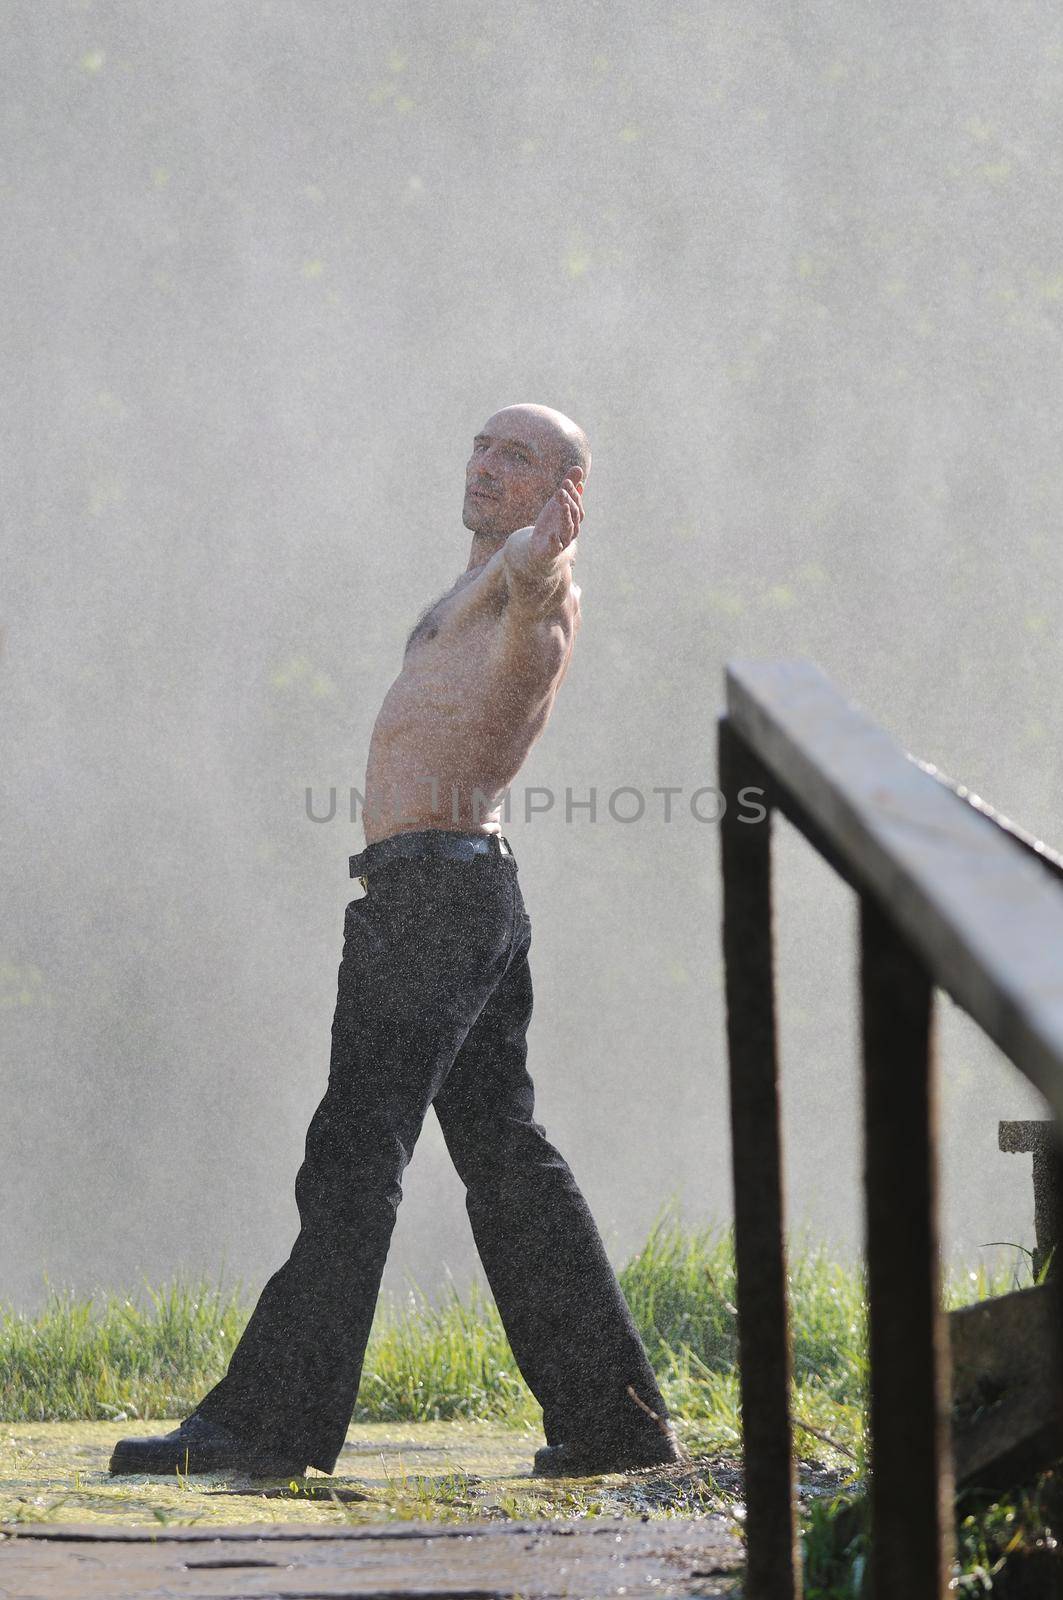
x=463, y=610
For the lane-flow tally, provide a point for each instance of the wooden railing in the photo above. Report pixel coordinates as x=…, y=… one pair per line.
x=951, y=896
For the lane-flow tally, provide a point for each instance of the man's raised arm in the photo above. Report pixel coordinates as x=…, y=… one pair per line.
x=537, y=560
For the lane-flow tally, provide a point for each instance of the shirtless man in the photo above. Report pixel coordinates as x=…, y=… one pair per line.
x=484, y=663
x=433, y=1008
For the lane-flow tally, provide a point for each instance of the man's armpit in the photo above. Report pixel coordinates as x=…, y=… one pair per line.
x=544, y=601
x=536, y=647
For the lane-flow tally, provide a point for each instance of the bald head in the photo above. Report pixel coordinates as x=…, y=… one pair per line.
x=564, y=441
x=519, y=458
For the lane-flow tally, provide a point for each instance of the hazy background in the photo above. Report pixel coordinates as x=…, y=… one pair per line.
x=798, y=270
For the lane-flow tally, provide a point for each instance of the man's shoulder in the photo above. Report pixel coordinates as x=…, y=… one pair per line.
x=483, y=579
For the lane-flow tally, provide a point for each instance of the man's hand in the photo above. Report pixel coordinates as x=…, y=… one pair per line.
x=557, y=524
x=535, y=560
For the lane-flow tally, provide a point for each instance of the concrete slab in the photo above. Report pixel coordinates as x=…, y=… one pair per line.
x=590, y=1560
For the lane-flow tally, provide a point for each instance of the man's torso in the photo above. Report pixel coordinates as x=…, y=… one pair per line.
x=458, y=722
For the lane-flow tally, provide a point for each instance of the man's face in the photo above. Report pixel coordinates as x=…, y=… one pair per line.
x=511, y=474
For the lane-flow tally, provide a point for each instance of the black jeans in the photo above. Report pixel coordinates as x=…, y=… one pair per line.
x=435, y=997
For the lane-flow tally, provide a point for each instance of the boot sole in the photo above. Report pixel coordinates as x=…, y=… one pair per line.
x=597, y=1466
x=137, y=1463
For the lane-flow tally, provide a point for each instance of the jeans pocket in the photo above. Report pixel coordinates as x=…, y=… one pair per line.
x=520, y=922
x=521, y=909
x=352, y=917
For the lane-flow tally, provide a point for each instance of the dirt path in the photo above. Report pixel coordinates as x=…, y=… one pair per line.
x=416, y=1510
x=452, y=1472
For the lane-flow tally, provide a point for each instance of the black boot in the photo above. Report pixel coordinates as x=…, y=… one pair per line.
x=587, y=1458
x=201, y=1446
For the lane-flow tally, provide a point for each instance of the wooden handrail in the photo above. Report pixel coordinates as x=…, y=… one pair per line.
x=952, y=896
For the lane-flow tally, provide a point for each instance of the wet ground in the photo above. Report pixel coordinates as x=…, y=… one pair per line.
x=442, y=1471
x=412, y=1510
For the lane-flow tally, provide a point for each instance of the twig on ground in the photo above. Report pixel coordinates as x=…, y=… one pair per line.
x=835, y=1444
x=665, y=1429
x=714, y=1286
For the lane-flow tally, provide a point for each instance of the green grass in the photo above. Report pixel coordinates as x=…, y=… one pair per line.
x=114, y=1358
x=434, y=1360
x=85, y=1359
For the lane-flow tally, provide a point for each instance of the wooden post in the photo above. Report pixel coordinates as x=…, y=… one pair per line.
x=773, y=1570
x=911, y=1462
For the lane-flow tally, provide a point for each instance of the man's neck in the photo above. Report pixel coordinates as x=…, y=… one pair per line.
x=483, y=548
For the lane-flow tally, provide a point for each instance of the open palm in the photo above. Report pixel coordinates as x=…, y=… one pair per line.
x=558, y=522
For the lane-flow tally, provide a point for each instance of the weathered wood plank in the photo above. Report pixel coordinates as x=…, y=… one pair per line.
x=985, y=915
x=417, y=1561
x=1004, y=1425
